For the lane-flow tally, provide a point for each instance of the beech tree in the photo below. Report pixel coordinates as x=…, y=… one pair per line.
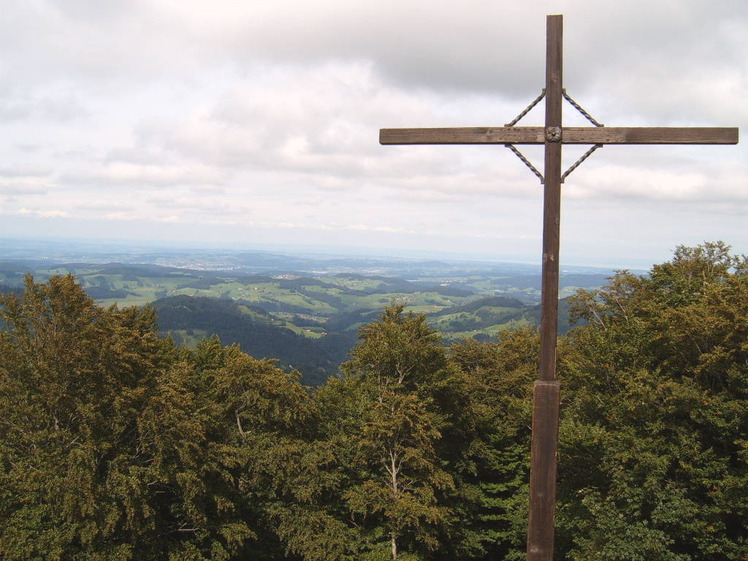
x=653, y=457
x=115, y=445
x=73, y=378
x=493, y=427
x=381, y=425
x=118, y=445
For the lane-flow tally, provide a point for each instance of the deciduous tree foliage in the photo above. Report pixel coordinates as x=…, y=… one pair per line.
x=495, y=420
x=654, y=463
x=72, y=380
x=118, y=445
x=382, y=424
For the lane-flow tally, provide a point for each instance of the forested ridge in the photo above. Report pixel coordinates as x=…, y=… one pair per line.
x=256, y=333
x=238, y=298
x=118, y=444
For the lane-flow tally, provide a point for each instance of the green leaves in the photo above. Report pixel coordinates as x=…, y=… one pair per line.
x=117, y=445
x=399, y=350
x=382, y=425
x=654, y=414
x=71, y=380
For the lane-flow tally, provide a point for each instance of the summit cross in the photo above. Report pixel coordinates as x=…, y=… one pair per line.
x=546, y=391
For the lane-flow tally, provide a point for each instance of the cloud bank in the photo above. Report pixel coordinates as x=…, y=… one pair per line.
x=258, y=121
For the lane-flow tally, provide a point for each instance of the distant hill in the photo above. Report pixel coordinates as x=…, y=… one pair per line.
x=257, y=332
x=305, y=311
x=251, y=328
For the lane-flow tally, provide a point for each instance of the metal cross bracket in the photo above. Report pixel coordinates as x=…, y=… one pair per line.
x=553, y=134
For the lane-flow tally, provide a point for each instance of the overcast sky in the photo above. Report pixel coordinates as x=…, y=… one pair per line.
x=256, y=122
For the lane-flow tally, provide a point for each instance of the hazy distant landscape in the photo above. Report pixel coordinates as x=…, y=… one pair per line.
x=303, y=309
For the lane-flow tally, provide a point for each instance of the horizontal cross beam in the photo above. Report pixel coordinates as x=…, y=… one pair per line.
x=540, y=534
x=569, y=135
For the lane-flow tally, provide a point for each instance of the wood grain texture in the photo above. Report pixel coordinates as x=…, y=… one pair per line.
x=540, y=531
x=540, y=535
x=545, y=421
x=464, y=135
x=650, y=135
x=570, y=135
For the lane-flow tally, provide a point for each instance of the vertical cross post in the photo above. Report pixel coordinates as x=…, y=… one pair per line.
x=546, y=390
x=545, y=413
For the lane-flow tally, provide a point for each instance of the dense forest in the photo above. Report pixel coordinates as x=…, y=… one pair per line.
x=306, y=319
x=118, y=444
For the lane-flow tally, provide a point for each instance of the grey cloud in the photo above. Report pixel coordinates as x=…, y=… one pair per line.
x=21, y=189
x=141, y=176
x=132, y=155
x=281, y=101
x=94, y=11
x=104, y=207
x=417, y=43
x=489, y=46
x=25, y=170
x=62, y=108
x=201, y=204
x=478, y=45
x=99, y=45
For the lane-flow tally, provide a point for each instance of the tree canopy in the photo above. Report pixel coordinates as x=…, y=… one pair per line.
x=117, y=444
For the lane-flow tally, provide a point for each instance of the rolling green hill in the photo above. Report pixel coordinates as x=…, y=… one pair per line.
x=187, y=318
x=308, y=320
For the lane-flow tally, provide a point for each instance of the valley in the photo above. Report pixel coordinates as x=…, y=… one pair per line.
x=304, y=310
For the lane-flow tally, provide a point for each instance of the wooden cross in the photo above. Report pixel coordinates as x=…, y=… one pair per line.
x=553, y=135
